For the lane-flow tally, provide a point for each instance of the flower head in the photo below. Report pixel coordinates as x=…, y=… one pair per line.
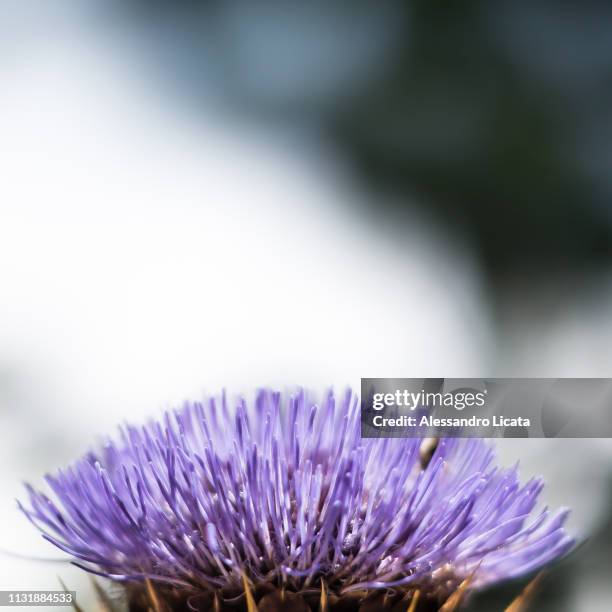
x=285, y=494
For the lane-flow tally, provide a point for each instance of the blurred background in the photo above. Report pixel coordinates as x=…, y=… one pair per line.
x=198, y=194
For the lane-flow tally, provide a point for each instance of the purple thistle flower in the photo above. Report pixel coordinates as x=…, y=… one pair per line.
x=286, y=493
